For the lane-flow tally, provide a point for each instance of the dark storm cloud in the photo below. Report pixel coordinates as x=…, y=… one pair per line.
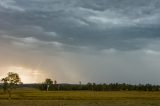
x=97, y=24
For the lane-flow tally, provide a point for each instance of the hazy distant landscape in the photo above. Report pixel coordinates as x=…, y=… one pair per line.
x=82, y=95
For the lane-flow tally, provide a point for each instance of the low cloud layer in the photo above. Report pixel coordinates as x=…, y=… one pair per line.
x=73, y=40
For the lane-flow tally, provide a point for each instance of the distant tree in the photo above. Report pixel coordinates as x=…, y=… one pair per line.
x=5, y=84
x=11, y=82
x=48, y=83
x=89, y=86
x=80, y=83
x=56, y=86
x=93, y=86
x=55, y=82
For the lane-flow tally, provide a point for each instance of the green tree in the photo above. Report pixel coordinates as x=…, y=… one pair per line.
x=48, y=83
x=11, y=82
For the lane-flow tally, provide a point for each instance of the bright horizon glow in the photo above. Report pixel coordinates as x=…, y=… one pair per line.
x=27, y=75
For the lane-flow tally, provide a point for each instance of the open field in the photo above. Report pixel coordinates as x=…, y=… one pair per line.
x=80, y=98
x=79, y=103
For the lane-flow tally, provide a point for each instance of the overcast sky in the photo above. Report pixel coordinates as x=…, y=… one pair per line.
x=99, y=41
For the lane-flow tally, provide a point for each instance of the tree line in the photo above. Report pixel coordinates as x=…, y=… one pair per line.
x=12, y=81
x=99, y=87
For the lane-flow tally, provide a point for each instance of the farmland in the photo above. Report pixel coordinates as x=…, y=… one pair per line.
x=33, y=97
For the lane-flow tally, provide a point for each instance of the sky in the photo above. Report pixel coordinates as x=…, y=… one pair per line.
x=102, y=41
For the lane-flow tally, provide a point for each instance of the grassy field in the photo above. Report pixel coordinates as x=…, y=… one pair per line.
x=31, y=97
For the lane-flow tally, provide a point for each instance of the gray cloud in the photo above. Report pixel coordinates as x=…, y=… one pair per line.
x=84, y=21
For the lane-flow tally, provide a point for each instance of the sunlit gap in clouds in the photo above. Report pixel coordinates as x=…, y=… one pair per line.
x=27, y=75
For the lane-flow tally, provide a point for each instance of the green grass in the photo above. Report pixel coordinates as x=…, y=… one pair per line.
x=32, y=97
